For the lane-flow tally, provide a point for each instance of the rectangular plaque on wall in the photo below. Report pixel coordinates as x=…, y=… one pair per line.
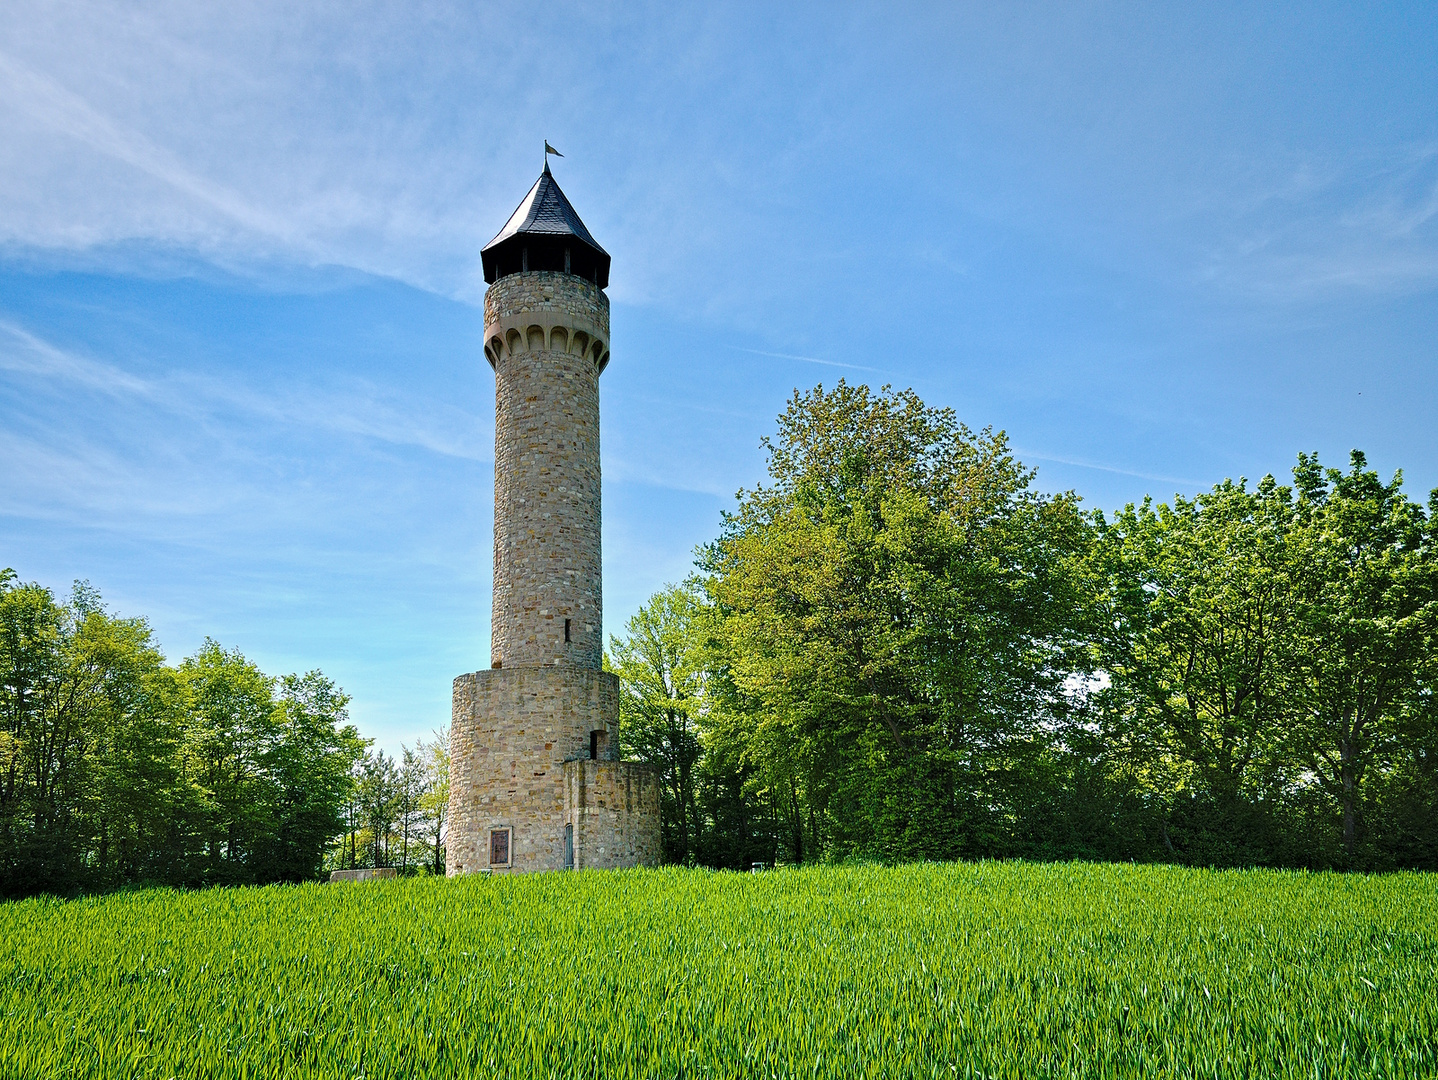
x=498, y=847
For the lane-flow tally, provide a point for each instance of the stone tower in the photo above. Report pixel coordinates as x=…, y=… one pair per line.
x=535, y=780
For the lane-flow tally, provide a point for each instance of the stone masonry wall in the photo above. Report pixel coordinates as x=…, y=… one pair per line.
x=578, y=303
x=547, y=337
x=512, y=731
x=614, y=809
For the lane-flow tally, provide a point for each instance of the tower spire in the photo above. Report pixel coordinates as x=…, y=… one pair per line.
x=542, y=228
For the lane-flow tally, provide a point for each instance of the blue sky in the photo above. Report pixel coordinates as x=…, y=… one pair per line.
x=241, y=386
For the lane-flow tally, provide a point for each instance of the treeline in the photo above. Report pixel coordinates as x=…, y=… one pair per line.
x=117, y=768
x=896, y=648
x=396, y=811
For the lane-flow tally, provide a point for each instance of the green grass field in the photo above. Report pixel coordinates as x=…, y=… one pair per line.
x=990, y=969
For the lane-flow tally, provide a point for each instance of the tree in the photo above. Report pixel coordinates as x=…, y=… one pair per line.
x=1196, y=602
x=117, y=768
x=378, y=801
x=1404, y=808
x=904, y=613
x=232, y=727
x=1364, y=565
x=661, y=664
x=48, y=713
x=46, y=716
x=144, y=810
x=308, y=762
x=352, y=816
x=434, y=800
x=409, y=790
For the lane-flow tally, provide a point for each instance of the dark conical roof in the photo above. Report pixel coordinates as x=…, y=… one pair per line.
x=535, y=233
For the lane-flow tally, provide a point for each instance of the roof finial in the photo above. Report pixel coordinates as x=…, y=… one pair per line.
x=547, y=151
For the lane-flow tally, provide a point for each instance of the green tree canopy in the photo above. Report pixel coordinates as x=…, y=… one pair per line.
x=120, y=768
x=1364, y=647
x=903, y=611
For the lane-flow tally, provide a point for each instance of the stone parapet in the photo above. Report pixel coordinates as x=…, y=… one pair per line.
x=542, y=309
x=545, y=290
x=512, y=731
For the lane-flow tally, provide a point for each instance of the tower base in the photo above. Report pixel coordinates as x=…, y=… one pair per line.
x=534, y=780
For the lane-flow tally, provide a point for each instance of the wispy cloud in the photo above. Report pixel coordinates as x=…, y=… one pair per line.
x=690, y=482
x=810, y=360
x=1034, y=455
x=1364, y=226
x=62, y=111
x=354, y=409
x=30, y=355
x=261, y=131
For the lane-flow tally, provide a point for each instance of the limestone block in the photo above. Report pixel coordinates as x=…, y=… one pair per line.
x=372, y=874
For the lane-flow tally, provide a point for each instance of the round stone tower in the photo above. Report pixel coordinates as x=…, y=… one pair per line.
x=535, y=783
x=547, y=338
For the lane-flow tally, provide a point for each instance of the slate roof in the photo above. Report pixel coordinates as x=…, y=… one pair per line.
x=545, y=211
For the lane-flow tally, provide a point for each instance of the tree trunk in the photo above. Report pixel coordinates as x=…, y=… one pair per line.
x=796, y=822
x=1349, y=785
x=688, y=810
x=676, y=758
